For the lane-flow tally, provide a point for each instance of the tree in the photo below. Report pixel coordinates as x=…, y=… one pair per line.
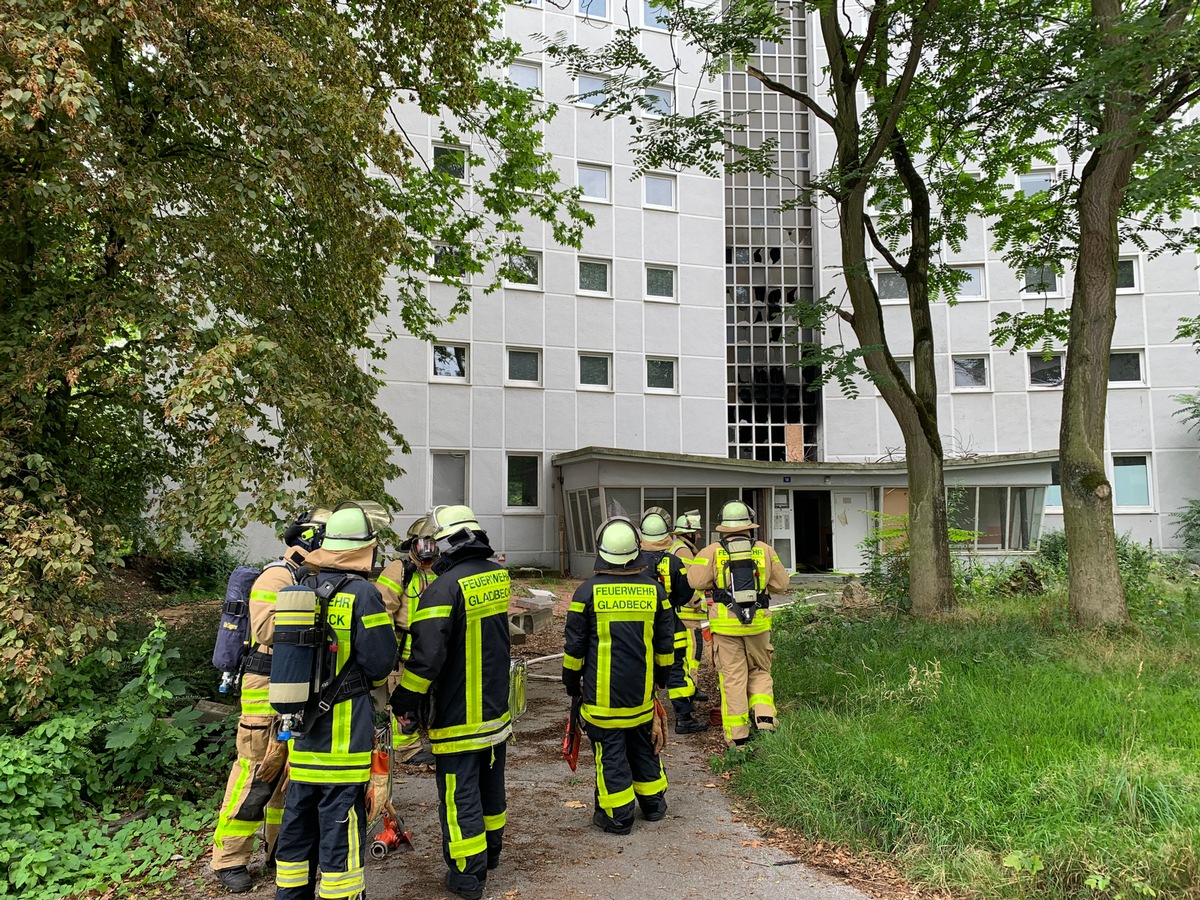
x=902, y=152
x=201, y=205
x=1122, y=78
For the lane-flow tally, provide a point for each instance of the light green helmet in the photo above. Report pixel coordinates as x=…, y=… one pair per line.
x=736, y=516
x=349, y=528
x=448, y=520
x=688, y=521
x=617, y=541
x=654, y=526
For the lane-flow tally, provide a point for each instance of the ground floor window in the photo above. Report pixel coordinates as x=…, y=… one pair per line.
x=998, y=518
x=448, y=482
x=524, y=476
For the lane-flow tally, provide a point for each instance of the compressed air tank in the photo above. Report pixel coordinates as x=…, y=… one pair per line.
x=294, y=656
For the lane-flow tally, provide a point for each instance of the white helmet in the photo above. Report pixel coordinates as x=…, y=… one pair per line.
x=654, y=525
x=617, y=541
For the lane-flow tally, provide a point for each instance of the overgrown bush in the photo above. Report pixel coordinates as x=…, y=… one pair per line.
x=106, y=793
x=49, y=559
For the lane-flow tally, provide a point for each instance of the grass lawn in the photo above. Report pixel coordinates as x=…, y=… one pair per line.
x=995, y=751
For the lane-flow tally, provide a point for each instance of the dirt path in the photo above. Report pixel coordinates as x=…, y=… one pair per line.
x=553, y=852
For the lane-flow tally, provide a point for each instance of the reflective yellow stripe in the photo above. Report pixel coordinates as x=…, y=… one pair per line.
x=387, y=582
x=255, y=703
x=376, y=619
x=274, y=815
x=657, y=786
x=318, y=758
x=263, y=596
x=574, y=663
x=414, y=682
x=239, y=828
x=331, y=776
x=473, y=651
x=496, y=822
x=603, y=660
x=452, y=826
x=467, y=847
x=762, y=700
x=615, y=718
x=430, y=612
x=664, y=659
x=295, y=618
x=470, y=745
x=608, y=801
x=291, y=874
x=576, y=607
x=700, y=561
x=225, y=824
x=470, y=728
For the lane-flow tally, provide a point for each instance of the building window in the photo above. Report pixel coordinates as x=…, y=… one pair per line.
x=1054, y=491
x=526, y=75
x=450, y=361
x=592, y=90
x=593, y=180
x=1040, y=280
x=451, y=160
x=449, y=262
x=1131, y=481
x=1045, y=372
x=970, y=372
x=891, y=286
x=448, y=482
x=660, y=283
x=524, y=475
x=661, y=101
x=905, y=367
x=595, y=371
x=525, y=270
x=970, y=287
x=660, y=375
x=525, y=366
x=655, y=16
x=660, y=191
x=996, y=518
x=1125, y=367
x=596, y=9
x=1127, y=272
x=1036, y=182
x=593, y=276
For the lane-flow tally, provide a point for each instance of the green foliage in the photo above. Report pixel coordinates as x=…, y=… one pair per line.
x=1036, y=762
x=67, y=780
x=50, y=551
x=885, y=553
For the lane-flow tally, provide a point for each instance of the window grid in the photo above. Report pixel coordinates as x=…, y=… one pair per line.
x=769, y=267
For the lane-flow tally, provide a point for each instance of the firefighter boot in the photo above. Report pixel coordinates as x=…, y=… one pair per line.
x=654, y=807
x=689, y=725
x=464, y=885
x=235, y=879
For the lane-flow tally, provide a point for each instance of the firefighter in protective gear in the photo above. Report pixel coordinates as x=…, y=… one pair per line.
x=669, y=571
x=325, y=816
x=401, y=583
x=455, y=681
x=693, y=613
x=742, y=574
x=619, y=648
x=254, y=792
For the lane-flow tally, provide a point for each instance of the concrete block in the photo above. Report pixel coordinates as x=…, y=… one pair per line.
x=532, y=603
x=534, y=620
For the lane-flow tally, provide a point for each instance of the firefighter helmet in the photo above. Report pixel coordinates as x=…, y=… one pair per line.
x=617, y=541
x=449, y=520
x=736, y=516
x=349, y=528
x=654, y=525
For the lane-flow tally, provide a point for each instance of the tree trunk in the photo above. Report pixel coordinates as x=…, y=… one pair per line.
x=1096, y=594
x=931, y=580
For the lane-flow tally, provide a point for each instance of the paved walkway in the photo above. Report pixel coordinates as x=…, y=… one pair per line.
x=553, y=852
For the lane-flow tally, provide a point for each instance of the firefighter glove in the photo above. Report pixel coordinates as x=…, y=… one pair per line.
x=405, y=704
x=658, y=728
x=573, y=682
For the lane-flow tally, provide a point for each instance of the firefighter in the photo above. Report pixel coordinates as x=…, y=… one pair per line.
x=669, y=571
x=253, y=796
x=742, y=574
x=459, y=654
x=325, y=816
x=401, y=583
x=694, y=613
x=618, y=649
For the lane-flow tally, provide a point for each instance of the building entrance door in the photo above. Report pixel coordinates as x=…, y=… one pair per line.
x=851, y=524
x=813, y=530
